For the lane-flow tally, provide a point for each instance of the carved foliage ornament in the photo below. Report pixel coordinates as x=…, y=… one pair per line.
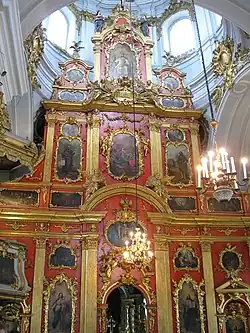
x=227, y=61
x=5, y=124
x=34, y=46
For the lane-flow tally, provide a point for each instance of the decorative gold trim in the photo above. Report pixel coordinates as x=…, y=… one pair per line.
x=66, y=245
x=189, y=248
x=231, y=273
x=5, y=124
x=50, y=286
x=200, y=294
x=142, y=145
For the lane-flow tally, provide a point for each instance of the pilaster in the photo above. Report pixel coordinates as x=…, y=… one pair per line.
x=194, y=129
x=209, y=287
x=97, y=57
x=37, y=293
x=163, y=286
x=93, y=132
x=49, y=150
x=148, y=55
x=89, y=285
x=156, y=148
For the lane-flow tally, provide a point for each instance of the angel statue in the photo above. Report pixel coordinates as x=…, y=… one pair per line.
x=99, y=22
x=76, y=48
x=145, y=26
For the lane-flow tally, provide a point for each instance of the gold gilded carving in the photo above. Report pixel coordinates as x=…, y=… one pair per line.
x=186, y=259
x=4, y=116
x=102, y=318
x=151, y=321
x=91, y=242
x=50, y=288
x=34, y=46
x=40, y=243
x=206, y=246
x=183, y=231
x=195, y=292
x=161, y=243
x=94, y=182
x=107, y=265
x=25, y=316
x=125, y=118
x=64, y=227
x=225, y=63
x=16, y=225
x=231, y=261
x=42, y=227
x=142, y=145
x=155, y=126
x=227, y=231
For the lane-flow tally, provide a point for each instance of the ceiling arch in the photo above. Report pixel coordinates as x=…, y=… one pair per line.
x=234, y=117
x=32, y=12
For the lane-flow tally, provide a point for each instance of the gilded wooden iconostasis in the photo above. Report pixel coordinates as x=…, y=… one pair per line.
x=71, y=216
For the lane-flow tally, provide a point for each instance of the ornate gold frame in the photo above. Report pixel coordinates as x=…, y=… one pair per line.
x=69, y=138
x=176, y=144
x=200, y=293
x=47, y=293
x=186, y=268
x=142, y=144
x=53, y=252
x=77, y=68
x=21, y=190
x=124, y=215
x=175, y=128
x=231, y=248
x=238, y=316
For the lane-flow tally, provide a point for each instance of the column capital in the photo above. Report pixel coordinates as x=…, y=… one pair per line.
x=161, y=243
x=40, y=243
x=206, y=246
x=90, y=242
x=155, y=125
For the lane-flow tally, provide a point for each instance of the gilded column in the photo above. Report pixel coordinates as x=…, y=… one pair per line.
x=97, y=57
x=37, y=293
x=49, y=150
x=89, y=285
x=194, y=129
x=148, y=55
x=93, y=130
x=156, y=148
x=163, y=286
x=209, y=287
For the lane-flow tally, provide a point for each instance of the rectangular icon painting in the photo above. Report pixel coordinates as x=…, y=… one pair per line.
x=65, y=199
x=182, y=203
x=60, y=301
x=7, y=271
x=16, y=197
x=68, y=164
x=178, y=164
x=232, y=205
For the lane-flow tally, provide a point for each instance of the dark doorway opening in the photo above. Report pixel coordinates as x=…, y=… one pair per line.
x=127, y=311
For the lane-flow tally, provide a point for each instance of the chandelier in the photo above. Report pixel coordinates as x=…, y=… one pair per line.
x=137, y=250
x=217, y=170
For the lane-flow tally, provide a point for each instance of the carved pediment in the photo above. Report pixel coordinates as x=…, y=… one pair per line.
x=232, y=286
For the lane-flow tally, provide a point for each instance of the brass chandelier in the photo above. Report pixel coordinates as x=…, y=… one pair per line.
x=217, y=170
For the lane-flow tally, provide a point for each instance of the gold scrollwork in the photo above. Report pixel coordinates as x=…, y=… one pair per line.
x=5, y=124
x=34, y=46
x=66, y=245
x=142, y=145
x=231, y=261
x=94, y=182
x=197, y=288
x=50, y=288
x=187, y=259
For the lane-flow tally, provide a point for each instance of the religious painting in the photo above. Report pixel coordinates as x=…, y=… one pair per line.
x=62, y=257
x=188, y=297
x=70, y=130
x=185, y=258
x=171, y=83
x=17, y=197
x=68, y=162
x=182, y=203
x=75, y=75
x=60, y=302
x=236, y=318
x=7, y=271
x=175, y=135
x=233, y=205
x=66, y=199
x=122, y=62
x=123, y=149
x=178, y=164
x=72, y=96
x=172, y=103
x=230, y=261
x=118, y=233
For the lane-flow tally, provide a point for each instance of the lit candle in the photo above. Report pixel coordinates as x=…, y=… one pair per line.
x=244, y=165
x=199, y=168
x=210, y=155
x=235, y=183
x=204, y=162
x=227, y=166
x=232, y=165
x=222, y=152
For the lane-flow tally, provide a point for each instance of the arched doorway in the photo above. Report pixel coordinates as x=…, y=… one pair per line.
x=127, y=310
